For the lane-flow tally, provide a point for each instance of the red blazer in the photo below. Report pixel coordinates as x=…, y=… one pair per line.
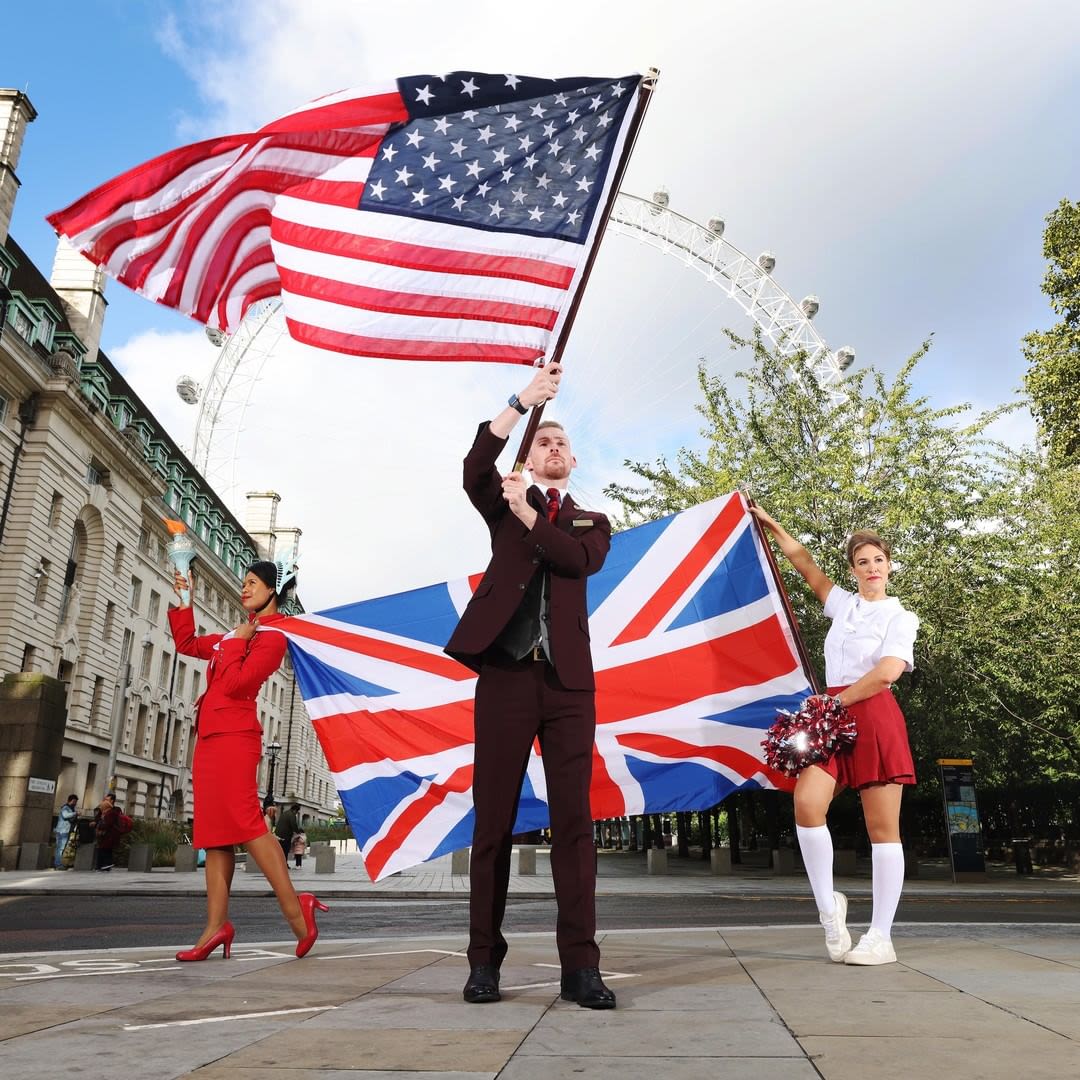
x=236, y=673
x=568, y=551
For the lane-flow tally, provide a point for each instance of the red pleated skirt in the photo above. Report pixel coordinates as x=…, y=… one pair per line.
x=224, y=776
x=881, y=753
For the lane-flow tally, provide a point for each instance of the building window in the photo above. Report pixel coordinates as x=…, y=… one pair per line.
x=163, y=670
x=110, y=620
x=118, y=559
x=5, y=402
x=95, y=699
x=21, y=323
x=127, y=646
x=181, y=678
x=144, y=541
x=54, y=510
x=29, y=655
x=93, y=474
x=153, y=609
x=196, y=682
x=147, y=661
x=135, y=594
x=42, y=587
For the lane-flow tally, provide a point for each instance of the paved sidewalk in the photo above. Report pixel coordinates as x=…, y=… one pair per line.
x=619, y=874
x=693, y=1004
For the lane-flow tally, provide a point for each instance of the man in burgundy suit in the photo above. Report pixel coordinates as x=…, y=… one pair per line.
x=526, y=633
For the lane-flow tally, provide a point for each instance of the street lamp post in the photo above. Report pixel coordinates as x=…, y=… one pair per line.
x=272, y=751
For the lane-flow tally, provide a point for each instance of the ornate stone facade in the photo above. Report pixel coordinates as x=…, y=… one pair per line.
x=86, y=476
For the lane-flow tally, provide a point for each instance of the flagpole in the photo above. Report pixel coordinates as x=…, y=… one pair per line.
x=793, y=623
x=645, y=89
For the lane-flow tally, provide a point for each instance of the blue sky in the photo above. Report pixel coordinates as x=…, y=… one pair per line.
x=899, y=160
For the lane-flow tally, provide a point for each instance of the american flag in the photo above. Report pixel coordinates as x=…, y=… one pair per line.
x=447, y=218
x=693, y=657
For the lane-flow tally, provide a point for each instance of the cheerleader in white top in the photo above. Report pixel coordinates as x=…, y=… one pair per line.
x=868, y=647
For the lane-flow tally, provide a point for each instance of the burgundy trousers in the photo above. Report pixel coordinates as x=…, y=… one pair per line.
x=516, y=702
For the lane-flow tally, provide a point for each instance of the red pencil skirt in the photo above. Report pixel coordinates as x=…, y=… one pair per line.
x=881, y=753
x=224, y=776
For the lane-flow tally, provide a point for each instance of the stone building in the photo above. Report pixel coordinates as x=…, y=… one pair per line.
x=87, y=476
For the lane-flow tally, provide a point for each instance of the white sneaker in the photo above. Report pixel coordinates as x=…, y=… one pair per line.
x=873, y=948
x=837, y=938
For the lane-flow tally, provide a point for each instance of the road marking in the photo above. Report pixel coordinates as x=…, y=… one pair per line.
x=401, y=952
x=88, y=974
x=226, y=1019
x=612, y=975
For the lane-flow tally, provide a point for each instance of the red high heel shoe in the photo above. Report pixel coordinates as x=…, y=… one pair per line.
x=223, y=937
x=308, y=904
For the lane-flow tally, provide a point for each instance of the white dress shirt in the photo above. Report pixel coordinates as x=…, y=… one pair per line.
x=862, y=632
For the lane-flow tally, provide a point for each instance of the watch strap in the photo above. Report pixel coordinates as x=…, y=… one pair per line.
x=515, y=403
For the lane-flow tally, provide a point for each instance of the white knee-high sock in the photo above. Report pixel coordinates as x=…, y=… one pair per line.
x=888, y=883
x=815, y=843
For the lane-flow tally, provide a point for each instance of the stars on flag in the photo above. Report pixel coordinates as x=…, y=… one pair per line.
x=453, y=166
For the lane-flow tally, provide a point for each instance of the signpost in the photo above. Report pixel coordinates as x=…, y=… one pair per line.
x=962, y=819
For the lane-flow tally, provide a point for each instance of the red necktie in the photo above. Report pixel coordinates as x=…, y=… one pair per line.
x=553, y=503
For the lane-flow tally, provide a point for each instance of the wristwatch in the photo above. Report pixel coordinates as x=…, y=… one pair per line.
x=515, y=403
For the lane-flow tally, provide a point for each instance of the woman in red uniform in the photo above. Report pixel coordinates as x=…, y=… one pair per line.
x=225, y=767
x=869, y=646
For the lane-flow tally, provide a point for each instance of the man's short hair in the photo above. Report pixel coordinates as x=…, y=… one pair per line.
x=549, y=423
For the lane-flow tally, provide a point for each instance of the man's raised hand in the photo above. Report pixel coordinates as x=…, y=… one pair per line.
x=544, y=385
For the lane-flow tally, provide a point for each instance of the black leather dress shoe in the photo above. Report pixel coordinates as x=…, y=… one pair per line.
x=587, y=988
x=482, y=985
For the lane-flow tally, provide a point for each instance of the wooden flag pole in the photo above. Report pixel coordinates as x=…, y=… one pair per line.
x=645, y=89
x=793, y=623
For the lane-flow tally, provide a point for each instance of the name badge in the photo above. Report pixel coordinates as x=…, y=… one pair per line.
x=582, y=523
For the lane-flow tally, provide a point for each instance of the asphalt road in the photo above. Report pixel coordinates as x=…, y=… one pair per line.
x=45, y=923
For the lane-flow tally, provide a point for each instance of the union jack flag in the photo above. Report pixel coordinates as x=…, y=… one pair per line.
x=693, y=656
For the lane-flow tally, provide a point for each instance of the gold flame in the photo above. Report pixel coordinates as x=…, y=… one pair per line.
x=175, y=527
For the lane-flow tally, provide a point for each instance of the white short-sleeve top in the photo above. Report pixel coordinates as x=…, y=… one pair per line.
x=862, y=632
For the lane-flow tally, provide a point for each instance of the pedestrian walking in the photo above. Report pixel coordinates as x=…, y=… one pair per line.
x=270, y=813
x=868, y=647
x=228, y=751
x=288, y=825
x=65, y=822
x=106, y=833
x=526, y=633
x=299, y=847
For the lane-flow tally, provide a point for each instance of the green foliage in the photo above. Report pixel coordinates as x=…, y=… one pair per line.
x=161, y=834
x=985, y=544
x=1053, y=378
x=336, y=831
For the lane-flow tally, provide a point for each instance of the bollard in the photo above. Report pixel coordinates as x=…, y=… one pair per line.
x=325, y=858
x=35, y=856
x=656, y=860
x=141, y=858
x=844, y=862
x=252, y=867
x=186, y=859
x=527, y=859
x=720, y=861
x=84, y=857
x=459, y=862
x=911, y=864
x=783, y=862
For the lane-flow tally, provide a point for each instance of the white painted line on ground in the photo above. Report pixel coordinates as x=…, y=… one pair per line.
x=520, y=936
x=226, y=1019
x=400, y=952
x=612, y=975
x=89, y=974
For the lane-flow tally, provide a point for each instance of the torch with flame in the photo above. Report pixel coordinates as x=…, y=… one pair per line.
x=181, y=552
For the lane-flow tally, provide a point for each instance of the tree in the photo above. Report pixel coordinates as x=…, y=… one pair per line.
x=1053, y=378
x=974, y=528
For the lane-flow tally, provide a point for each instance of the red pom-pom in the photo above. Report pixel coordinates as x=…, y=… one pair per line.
x=808, y=737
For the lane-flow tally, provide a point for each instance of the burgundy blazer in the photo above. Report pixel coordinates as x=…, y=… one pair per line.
x=236, y=672
x=569, y=551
